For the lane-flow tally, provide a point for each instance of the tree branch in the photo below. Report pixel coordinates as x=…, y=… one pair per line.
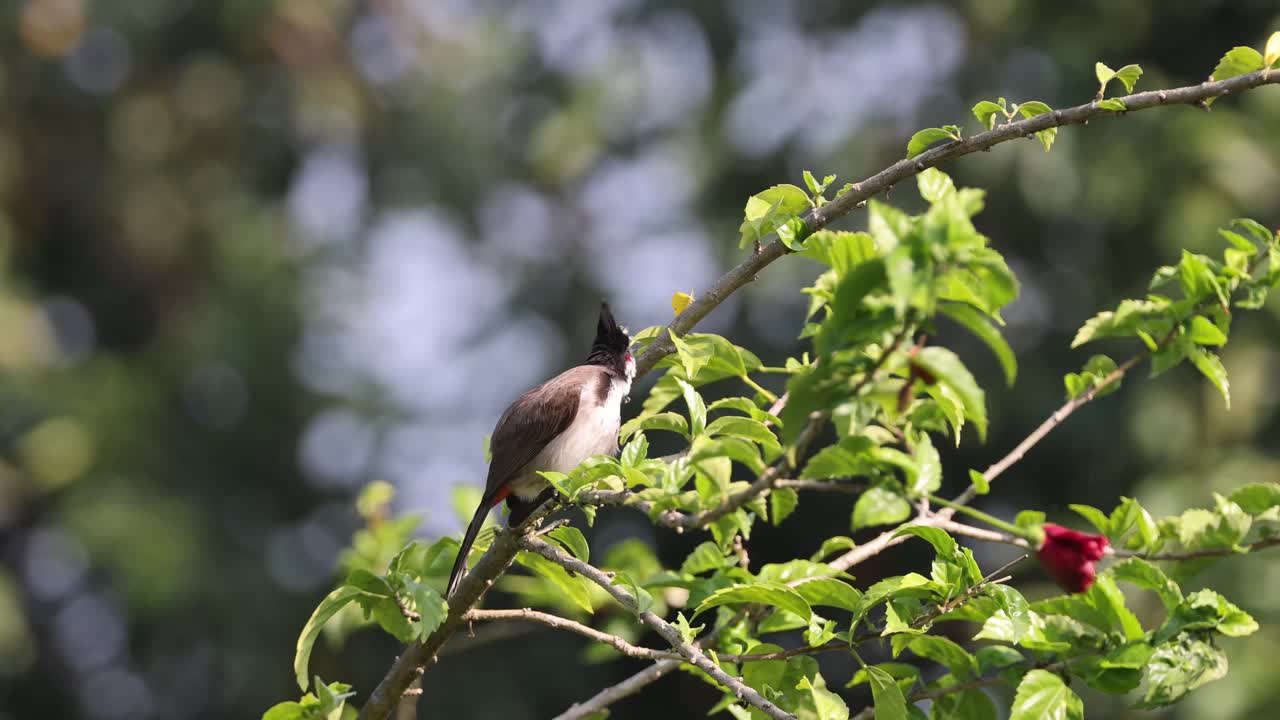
x=561, y=623
x=688, y=651
x=614, y=693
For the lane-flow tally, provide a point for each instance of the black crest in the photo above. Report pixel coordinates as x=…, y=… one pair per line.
x=611, y=343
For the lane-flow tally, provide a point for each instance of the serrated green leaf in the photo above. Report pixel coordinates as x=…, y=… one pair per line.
x=1203, y=332
x=1043, y=696
x=328, y=607
x=988, y=113
x=944, y=651
x=1238, y=61
x=1145, y=575
x=782, y=502
x=879, y=506
x=1180, y=666
x=1256, y=498
x=745, y=428
x=1096, y=517
x=934, y=185
x=1104, y=73
x=889, y=702
x=830, y=592
x=771, y=209
x=1211, y=367
x=569, y=586
x=847, y=458
x=1014, y=620
x=923, y=139
x=1033, y=108
x=669, y=421
x=980, y=484
x=948, y=370
x=976, y=323
x=763, y=593
x=1129, y=75
x=573, y=540
x=697, y=409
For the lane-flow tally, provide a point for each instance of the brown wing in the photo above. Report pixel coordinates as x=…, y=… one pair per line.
x=534, y=420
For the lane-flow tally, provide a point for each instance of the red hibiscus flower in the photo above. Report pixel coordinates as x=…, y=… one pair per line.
x=1069, y=556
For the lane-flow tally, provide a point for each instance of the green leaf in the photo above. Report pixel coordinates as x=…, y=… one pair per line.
x=988, y=113
x=1104, y=73
x=980, y=484
x=669, y=421
x=1256, y=498
x=1179, y=667
x=1091, y=376
x=770, y=209
x=1113, y=104
x=1096, y=517
x=782, y=502
x=328, y=607
x=1208, y=610
x=1262, y=237
x=746, y=428
x=848, y=458
x=1145, y=575
x=1238, y=61
x=943, y=544
x=1013, y=622
x=569, y=586
x=879, y=506
x=944, y=651
x=1204, y=332
x=1033, y=108
x=831, y=545
x=1129, y=75
x=1106, y=596
x=963, y=705
x=1127, y=319
x=924, y=138
x=644, y=601
x=704, y=558
x=826, y=704
x=697, y=409
x=764, y=593
x=946, y=368
x=830, y=592
x=1271, y=53
x=573, y=541
x=934, y=185
x=1043, y=696
x=889, y=702
x=976, y=323
x=1211, y=367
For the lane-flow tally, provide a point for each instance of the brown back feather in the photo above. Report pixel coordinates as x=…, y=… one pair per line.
x=534, y=420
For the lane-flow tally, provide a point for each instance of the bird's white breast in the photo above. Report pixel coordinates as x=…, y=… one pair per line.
x=594, y=431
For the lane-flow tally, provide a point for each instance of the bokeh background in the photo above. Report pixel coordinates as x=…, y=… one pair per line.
x=254, y=254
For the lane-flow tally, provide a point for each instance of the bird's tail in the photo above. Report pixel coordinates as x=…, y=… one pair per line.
x=460, y=565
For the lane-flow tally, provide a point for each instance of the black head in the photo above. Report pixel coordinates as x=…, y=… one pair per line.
x=611, y=346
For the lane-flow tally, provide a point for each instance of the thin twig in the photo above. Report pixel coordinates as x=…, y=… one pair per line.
x=688, y=651
x=560, y=623
x=614, y=693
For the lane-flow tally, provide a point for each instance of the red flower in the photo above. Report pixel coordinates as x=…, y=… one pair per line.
x=1069, y=556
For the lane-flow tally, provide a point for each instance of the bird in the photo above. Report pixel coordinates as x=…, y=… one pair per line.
x=553, y=428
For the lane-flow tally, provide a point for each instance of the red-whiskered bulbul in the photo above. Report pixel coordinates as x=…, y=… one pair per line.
x=553, y=428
